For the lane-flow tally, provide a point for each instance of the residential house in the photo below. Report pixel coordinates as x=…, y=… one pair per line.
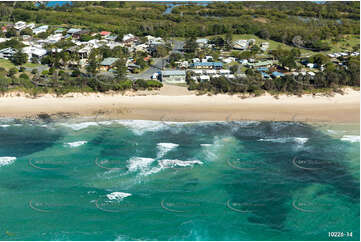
x=59, y=30
x=204, y=78
x=71, y=31
x=105, y=34
x=7, y=53
x=77, y=35
x=30, y=25
x=264, y=46
x=277, y=74
x=129, y=39
x=111, y=37
x=20, y=25
x=34, y=51
x=84, y=52
x=207, y=65
x=224, y=72
x=173, y=76
x=240, y=44
x=108, y=63
x=202, y=42
x=267, y=63
x=40, y=29
x=132, y=67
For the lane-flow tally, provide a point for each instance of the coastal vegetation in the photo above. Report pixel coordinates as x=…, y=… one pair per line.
x=297, y=33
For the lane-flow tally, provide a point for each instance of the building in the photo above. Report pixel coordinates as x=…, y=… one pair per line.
x=240, y=44
x=202, y=42
x=40, y=29
x=7, y=53
x=268, y=63
x=105, y=33
x=108, y=63
x=277, y=74
x=207, y=65
x=33, y=51
x=173, y=76
x=78, y=34
x=20, y=25
x=59, y=30
x=264, y=46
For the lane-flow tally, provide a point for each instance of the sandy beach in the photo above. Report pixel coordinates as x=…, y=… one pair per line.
x=173, y=103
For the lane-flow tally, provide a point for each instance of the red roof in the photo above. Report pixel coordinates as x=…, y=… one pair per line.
x=104, y=33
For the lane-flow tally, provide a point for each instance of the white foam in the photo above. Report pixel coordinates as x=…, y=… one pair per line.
x=206, y=145
x=4, y=125
x=164, y=148
x=140, y=164
x=139, y=127
x=76, y=143
x=79, y=126
x=166, y=163
x=297, y=140
x=351, y=138
x=6, y=160
x=118, y=195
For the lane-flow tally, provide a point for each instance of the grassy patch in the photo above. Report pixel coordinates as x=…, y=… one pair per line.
x=6, y=64
x=31, y=65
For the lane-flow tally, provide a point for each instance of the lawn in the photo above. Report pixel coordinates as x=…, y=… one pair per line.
x=6, y=64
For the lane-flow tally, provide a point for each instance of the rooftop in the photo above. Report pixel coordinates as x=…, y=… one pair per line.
x=109, y=61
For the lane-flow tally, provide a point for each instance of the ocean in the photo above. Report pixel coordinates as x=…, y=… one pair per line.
x=153, y=180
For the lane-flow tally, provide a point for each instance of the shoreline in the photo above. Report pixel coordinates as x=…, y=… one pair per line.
x=186, y=106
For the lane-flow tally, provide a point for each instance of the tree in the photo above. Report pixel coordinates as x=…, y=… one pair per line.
x=10, y=32
x=229, y=38
x=93, y=64
x=264, y=34
x=26, y=31
x=234, y=68
x=319, y=59
x=75, y=73
x=161, y=51
x=120, y=69
x=190, y=45
x=19, y=58
x=12, y=72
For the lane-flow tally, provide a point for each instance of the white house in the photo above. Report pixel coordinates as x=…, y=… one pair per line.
x=203, y=78
x=34, y=51
x=224, y=72
x=31, y=25
x=173, y=76
x=40, y=29
x=264, y=46
x=7, y=53
x=241, y=44
x=20, y=25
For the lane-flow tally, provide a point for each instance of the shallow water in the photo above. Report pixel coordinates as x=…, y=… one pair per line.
x=148, y=180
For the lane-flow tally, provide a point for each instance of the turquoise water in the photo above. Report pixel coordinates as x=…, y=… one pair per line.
x=147, y=180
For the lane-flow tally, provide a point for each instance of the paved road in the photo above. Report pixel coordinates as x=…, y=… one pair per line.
x=156, y=67
x=158, y=63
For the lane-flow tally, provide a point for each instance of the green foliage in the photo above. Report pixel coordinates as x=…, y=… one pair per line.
x=12, y=72
x=19, y=58
x=12, y=43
